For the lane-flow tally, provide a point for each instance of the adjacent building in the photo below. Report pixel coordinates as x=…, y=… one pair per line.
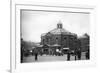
x=84, y=42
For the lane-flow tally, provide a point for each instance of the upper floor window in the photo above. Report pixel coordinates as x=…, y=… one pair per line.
x=64, y=38
x=56, y=38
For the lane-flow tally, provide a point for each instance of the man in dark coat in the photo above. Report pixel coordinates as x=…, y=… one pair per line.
x=36, y=54
x=79, y=54
x=88, y=54
x=68, y=56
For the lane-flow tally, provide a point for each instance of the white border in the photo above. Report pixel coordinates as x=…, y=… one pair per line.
x=16, y=66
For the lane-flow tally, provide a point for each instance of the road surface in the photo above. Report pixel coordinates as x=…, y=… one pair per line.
x=48, y=58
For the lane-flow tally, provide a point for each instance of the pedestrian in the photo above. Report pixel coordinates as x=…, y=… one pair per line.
x=87, y=54
x=68, y=56
x=21, y=55
x=75, y=57
x=36, y=54
x=79, y=54
x=75, y=53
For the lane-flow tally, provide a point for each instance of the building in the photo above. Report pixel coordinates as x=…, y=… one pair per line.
x=84, y=42
x=59, y=38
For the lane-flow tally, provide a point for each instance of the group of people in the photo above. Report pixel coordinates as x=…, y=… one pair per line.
x=78, y=54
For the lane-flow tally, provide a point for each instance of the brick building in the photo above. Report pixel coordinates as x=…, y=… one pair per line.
x=59, y=37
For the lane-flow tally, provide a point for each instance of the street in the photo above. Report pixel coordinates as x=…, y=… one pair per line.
x=48, y=58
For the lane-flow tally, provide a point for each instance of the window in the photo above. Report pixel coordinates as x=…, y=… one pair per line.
x=64, y=38
x=56, y=38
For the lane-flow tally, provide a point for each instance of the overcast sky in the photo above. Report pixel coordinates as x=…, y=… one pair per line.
x=34, y=23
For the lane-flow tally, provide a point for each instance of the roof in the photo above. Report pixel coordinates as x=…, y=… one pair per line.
x=83, y=36
x=59, y=31
x=43, y=34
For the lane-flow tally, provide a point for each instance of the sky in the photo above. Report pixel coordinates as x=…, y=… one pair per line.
x=35, y=23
